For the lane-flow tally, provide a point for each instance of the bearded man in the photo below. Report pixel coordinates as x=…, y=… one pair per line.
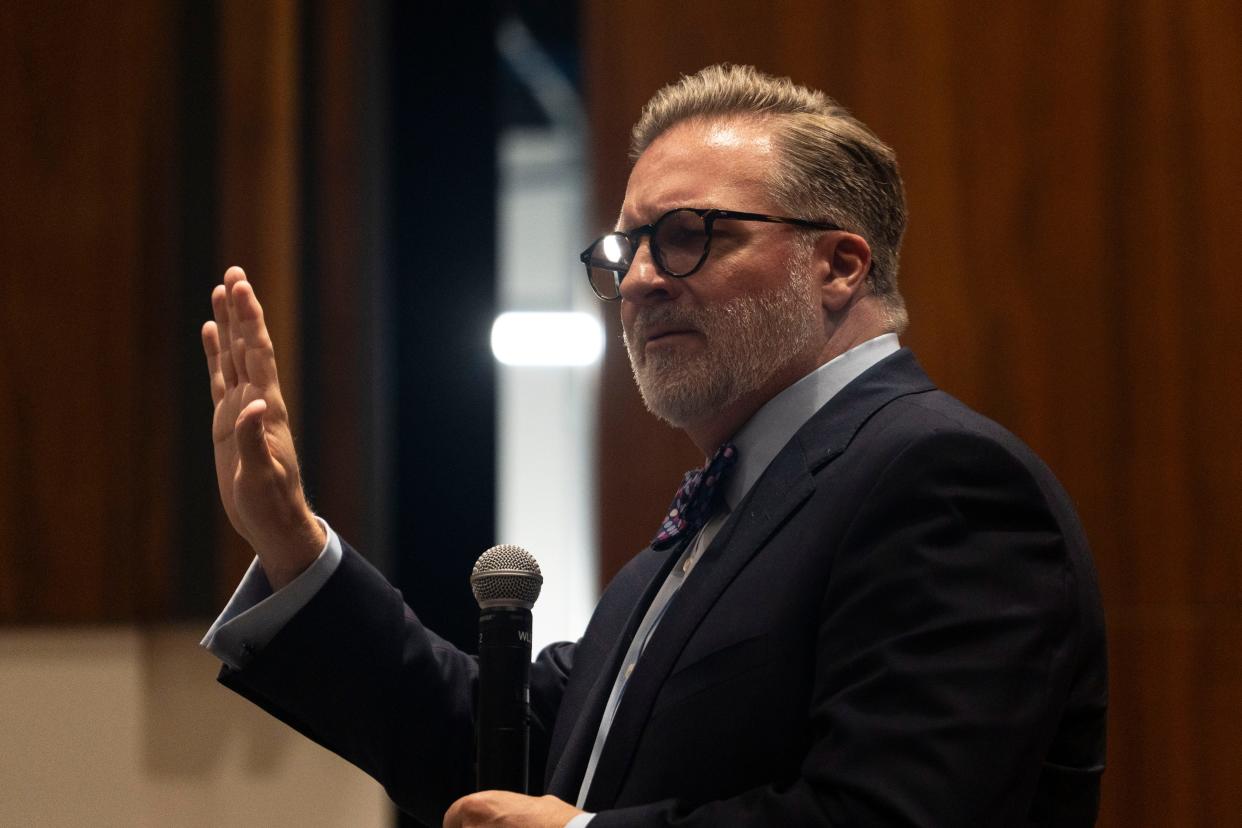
x=871, y=607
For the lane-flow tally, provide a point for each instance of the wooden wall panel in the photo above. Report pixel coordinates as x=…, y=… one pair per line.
x=149, y=146
x=1070, y=270
x=87, y=183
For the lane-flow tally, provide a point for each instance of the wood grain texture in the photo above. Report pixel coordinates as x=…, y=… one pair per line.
x=1070, y=268
x=88, y=178
x=151, y=143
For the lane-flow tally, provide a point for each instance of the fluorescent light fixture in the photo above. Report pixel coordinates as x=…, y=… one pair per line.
x=547, y=338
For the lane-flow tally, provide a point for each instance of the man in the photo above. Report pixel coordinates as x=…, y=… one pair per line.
x=873, y=607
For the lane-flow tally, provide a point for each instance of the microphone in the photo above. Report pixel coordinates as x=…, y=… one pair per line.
x=506, y=581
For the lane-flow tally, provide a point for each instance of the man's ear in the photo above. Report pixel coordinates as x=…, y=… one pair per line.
x=842, y=261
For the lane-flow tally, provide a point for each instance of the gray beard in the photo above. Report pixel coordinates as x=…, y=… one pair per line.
x=748, y=340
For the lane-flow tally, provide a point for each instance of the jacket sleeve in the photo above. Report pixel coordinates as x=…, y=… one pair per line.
x=356, y=671
x=947, y=640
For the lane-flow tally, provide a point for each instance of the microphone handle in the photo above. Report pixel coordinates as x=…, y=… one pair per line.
x=504, y=699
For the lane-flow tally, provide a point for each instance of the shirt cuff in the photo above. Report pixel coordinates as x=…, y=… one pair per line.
x=254, y=614
x=580, y=821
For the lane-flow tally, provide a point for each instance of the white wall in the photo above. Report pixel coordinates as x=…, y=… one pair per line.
x=127, y=727
x=546, y=415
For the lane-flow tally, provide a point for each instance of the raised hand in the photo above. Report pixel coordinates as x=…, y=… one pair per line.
x=256, y=464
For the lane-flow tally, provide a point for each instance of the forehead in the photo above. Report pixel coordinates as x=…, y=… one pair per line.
x=722, y=163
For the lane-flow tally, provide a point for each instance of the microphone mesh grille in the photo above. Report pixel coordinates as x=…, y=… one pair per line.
x=506, y=575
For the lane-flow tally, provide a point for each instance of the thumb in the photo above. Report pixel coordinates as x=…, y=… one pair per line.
x=251, y=441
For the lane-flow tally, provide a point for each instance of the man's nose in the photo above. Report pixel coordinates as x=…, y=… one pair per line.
x=646, y=281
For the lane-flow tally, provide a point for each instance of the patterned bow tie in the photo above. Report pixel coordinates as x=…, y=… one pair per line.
x=692, y=505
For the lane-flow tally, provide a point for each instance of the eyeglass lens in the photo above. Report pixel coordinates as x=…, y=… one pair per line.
x=679, y=243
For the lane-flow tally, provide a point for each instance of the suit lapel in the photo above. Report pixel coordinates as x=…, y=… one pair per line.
x=786, y=484
x=570, y=765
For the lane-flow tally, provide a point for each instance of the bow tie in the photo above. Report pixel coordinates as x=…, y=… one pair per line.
x=692, y=504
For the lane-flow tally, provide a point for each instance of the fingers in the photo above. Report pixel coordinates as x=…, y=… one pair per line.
x=236, y=345
x=241, y=339
x=260, y=357
x=471, y=809
x=211, y=347
x=503, y=808
x=455, y=817
x=220, y=312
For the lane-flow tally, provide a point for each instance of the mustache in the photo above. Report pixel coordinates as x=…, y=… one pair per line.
x=665, y=317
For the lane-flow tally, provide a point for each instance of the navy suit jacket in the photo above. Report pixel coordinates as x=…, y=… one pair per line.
x=898, y=625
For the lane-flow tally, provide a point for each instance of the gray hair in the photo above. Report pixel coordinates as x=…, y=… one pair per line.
x=832, y=166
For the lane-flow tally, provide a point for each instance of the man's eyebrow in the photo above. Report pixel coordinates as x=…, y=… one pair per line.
x=625, y=226
x=655, y=216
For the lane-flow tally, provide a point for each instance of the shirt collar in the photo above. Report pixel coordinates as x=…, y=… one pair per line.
x=773, y=425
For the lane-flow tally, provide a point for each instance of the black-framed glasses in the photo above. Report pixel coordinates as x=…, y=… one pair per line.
x=680, y=242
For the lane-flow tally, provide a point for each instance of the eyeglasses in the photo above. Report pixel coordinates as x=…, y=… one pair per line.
x=680, y=242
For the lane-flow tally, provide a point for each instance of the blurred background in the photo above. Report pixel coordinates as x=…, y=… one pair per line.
x=395, y=176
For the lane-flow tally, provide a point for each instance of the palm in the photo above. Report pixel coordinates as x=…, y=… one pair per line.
x=228, y=461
